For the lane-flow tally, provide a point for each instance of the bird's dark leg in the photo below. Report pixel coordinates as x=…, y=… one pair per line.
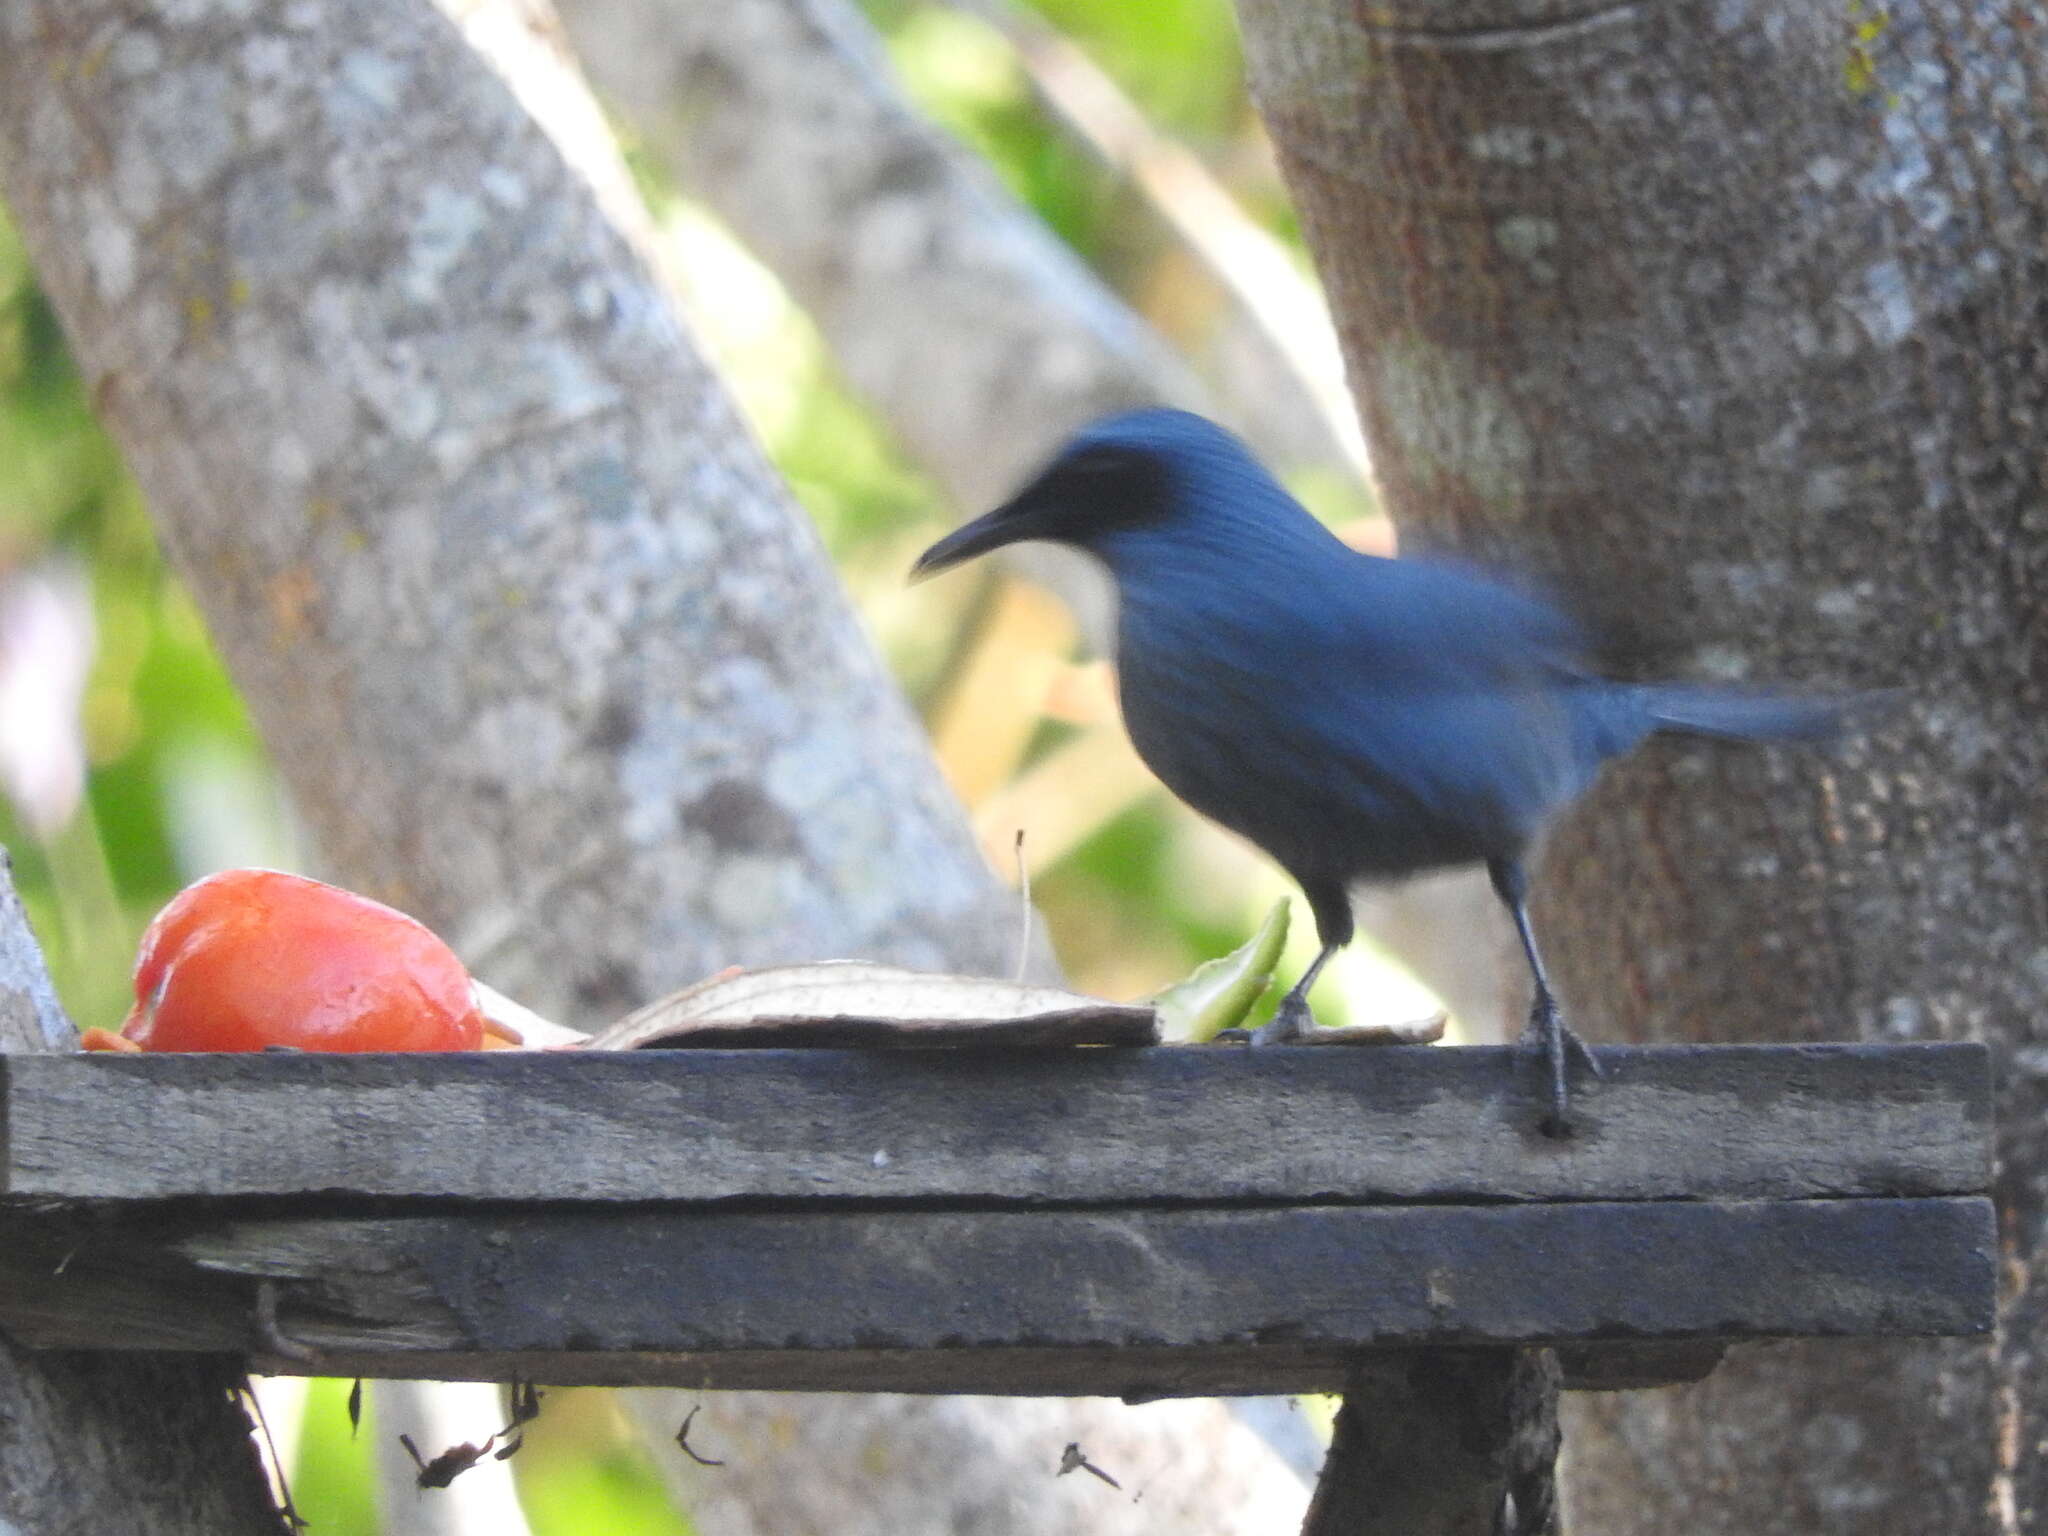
x=1330, y=901
x=1291, y=1020
x=1546, y=1020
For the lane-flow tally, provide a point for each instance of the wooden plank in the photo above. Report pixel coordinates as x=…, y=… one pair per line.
x=1136, y=1374
x=1193, y=1124
x=786, y=1299
x=1624, y=1367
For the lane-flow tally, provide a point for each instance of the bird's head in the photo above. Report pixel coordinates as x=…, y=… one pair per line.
x=1120, y=475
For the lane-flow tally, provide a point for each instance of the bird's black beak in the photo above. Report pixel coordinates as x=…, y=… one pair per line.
x=1008, y=524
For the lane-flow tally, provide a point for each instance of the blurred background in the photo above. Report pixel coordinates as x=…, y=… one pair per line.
x=129, y=766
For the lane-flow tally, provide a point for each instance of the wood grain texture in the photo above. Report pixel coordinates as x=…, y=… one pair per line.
x=734, y=1291
x=1137, y=1376
x=1187, y=1124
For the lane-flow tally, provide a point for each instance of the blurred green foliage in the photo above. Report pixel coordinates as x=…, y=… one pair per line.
x=582, y=1455
x=967, y=78
x=1177, y=58
x=330, y=1476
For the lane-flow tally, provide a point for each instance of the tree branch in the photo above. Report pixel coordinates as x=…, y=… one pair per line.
x=975, y=332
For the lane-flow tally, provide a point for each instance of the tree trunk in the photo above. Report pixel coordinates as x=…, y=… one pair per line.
x=1736, y=312
x=537, y=638
x=129, y=1443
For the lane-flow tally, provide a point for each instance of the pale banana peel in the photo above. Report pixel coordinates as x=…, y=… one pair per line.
x=861, y=1002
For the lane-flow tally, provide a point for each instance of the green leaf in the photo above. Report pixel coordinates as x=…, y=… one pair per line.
x=1217, y=994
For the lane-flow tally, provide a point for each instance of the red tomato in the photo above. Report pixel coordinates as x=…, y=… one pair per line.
x=249, y=958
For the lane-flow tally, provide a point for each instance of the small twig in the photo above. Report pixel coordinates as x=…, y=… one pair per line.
x=1024, y=922
x=290, y=1511
x=683, y=1441
x=1071, y=1460
x=270, y=1334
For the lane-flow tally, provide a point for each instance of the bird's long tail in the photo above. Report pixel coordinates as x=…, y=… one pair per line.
x=1749, y=714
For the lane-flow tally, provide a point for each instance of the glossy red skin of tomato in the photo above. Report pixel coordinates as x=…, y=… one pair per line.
x=250, y=958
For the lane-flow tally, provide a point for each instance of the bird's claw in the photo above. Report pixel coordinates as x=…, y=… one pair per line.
x=1548, y=1033
x=1290, y=1021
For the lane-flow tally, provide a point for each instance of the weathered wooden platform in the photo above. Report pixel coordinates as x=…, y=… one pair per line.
x=1141, y=1222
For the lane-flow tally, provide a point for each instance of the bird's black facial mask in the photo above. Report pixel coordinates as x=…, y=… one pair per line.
x=1087, y=492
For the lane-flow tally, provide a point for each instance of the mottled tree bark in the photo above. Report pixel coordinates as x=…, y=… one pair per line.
x=1736, y=312
x=131, y=1443
x=31, y=1018
x=538, y=640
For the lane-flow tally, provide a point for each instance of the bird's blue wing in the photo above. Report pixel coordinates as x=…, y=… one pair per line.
x=1395, y=715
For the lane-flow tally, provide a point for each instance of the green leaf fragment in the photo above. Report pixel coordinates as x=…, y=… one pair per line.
x=1217, y=994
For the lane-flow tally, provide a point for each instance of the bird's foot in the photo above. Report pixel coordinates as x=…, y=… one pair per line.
x=1548, y=1033
x=1290, y=1024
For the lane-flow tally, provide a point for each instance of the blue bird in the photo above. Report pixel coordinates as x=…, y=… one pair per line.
x=1358, y=718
